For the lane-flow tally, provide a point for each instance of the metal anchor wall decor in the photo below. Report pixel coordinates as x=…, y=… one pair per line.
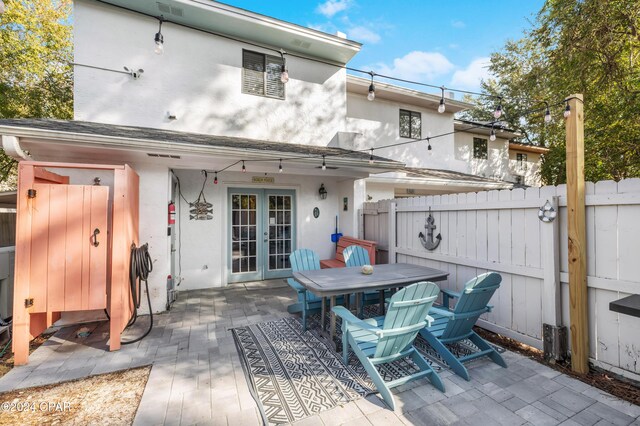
x=429, y=242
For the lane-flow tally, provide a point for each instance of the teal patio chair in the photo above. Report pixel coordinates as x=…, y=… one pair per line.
x=304, y=260
x=454, y=325
x=358, y=256
x=389, y=338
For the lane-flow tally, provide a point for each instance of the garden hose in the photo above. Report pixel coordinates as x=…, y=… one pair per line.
x=140, y=265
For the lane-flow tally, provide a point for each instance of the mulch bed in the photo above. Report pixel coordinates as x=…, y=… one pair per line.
x=618, y=386
x=6, y=361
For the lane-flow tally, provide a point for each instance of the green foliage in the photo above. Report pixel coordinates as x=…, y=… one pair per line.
x=36, y=75
x=575, y=46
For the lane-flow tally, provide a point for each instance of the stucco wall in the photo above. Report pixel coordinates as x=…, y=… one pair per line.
x=378, y=122
x=198, y=78
x=529, y=169
x=496, y=164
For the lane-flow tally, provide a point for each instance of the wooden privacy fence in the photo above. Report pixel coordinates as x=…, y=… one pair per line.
x=500, y=231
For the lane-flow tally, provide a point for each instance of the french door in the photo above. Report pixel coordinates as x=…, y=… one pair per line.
x=262, y=233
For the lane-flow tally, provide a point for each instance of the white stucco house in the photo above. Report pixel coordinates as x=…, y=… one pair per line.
x=214, y=101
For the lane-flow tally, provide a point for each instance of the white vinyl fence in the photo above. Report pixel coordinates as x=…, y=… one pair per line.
x=500, y=231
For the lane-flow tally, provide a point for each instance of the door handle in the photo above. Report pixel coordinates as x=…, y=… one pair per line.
x=95, y=237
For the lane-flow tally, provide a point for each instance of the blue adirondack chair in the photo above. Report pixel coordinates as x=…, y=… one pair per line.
x=357, y=256
x=304, y=260
x=388, y=338
x=453, y=325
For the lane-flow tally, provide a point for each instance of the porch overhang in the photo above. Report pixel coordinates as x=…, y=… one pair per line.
x=78, y=141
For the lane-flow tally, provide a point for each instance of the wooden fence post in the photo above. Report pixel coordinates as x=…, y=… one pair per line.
x=577, y=236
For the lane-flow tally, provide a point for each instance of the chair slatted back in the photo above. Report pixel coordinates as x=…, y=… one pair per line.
x=356, y=256
x=474, y=298
x=305, y=260
x=405, y=317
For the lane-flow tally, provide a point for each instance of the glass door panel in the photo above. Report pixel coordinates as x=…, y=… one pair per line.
x=245, y=264
x=280, y=235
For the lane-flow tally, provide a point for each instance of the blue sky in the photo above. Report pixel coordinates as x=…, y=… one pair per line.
x=436, y=42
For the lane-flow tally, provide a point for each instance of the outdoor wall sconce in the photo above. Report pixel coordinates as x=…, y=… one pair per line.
x=547, y=213
x=322, y=192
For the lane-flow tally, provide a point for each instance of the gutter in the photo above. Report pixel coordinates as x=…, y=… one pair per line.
x=444, y=182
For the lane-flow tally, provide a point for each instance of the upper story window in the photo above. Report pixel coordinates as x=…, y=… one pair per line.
x=480, y=148
x=410, y=124
x=521, y=159
x=261, y=75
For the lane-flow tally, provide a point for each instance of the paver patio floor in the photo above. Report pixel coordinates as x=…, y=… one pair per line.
x=197, y=377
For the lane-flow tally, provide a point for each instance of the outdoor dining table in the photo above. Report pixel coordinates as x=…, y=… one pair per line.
x=333, y=282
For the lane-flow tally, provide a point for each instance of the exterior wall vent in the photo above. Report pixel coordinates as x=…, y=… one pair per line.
x=163, y=155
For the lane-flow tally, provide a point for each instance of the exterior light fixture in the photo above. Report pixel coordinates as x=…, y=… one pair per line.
x=215, y=178
x=442, y=107
x=324, y=164
x=372, y=89
x=371, y=156
x=498, y=112
x=567, y=111
x=159, y=39
x=322, y=192
x=280, y=166
x=284, y=74
x=244, y=169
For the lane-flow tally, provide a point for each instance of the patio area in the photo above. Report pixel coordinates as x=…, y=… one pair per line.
x=197, y=376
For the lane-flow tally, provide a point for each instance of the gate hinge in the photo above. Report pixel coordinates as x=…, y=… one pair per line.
x=31, y=193
x=28, y=302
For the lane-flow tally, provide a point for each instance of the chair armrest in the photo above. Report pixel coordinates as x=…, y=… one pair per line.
x=489, y=308
x=348, y=317
x=429, y=320
x=296, y=285
x=440, y=311
x=451, y=293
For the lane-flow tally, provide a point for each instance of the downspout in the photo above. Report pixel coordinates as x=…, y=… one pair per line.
x=11, y=147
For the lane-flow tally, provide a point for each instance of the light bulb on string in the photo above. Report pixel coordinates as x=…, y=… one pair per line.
x=159, y=39
x=215, y=178
x=428, y=144
x=567, y=111
x=280, y=167
x=371, y=156
x=244, y=169
x=324, y=164
x=498, y=112
x=547, y=116
x=284, y=74
x=372, y=89
x=442, y=107
x=492, y=136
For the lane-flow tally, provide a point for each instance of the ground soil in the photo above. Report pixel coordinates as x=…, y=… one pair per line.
x=106, y=399
x=618, y=386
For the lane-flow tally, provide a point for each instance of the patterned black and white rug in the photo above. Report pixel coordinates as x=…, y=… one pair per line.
x=293, y=374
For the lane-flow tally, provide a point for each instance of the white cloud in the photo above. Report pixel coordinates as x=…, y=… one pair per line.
x=364, y=34
x=418, y=66
x=458, y=24
x=470, y=77
x=331, y=7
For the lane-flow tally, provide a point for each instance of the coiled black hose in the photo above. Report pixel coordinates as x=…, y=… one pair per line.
x=140, y=265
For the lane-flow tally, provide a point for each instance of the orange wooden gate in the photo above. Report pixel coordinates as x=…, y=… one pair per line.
x=69, y=248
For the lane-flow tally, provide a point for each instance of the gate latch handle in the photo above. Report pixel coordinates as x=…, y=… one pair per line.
x=95, y=237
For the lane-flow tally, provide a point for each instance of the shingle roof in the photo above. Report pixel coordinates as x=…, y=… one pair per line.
x=449, y=175
x=161, y=135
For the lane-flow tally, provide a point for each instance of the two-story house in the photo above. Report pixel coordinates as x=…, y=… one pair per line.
x=258, y=162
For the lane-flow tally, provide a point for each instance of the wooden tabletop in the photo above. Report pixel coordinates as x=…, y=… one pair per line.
x=335, y=281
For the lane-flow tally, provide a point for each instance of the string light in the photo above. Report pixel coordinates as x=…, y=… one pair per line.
x=567, y=110
x=244, y=169
x=498, y=112
x=284, y=74
x=324, y=164
x=159, y=39
x=215, y=178
x=280, y=166
x=492, y=136
x=372, y=89
x=441, y=107
x=428, y=144
x=371, y=156
x=547, y=113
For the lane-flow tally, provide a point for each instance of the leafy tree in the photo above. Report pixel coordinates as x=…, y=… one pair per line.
x=574, y=46
x=36, y=79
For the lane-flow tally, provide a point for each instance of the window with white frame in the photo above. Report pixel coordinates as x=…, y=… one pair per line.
x=480, y=148
x=410, y=124
x=521, y=159
x=261, y=75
